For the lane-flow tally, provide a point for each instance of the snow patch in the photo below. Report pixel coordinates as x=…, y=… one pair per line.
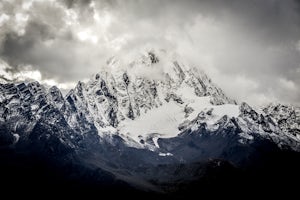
x=246, y=136
x=155, y=141
x=34, y=107
x=165, y=154
x=163, y=120
x=17, y=137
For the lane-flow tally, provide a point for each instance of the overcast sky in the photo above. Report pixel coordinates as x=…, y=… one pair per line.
x=250, y=48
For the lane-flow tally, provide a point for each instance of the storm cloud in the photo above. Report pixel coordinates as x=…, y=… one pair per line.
x=251, y=49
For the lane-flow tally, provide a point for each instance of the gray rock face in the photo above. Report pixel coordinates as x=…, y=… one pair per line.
x=286, y=117
x=26, y=106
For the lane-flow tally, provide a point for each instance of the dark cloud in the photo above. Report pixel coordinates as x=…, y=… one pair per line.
x=248, y=46
x=79, y=3
x=16, y=49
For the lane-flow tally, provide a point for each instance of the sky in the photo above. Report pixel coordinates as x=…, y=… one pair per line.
x=249, y=48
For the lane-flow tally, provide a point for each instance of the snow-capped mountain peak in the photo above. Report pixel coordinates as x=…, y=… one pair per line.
x=152, y=95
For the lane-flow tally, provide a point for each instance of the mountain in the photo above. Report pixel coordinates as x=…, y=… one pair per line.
x=153, y=124
x=131, y=104
x=128, y=103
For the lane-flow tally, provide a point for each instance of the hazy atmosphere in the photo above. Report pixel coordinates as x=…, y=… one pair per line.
x=251, y=49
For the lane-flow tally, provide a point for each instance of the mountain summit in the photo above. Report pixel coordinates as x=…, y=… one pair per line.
x=153, y=95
